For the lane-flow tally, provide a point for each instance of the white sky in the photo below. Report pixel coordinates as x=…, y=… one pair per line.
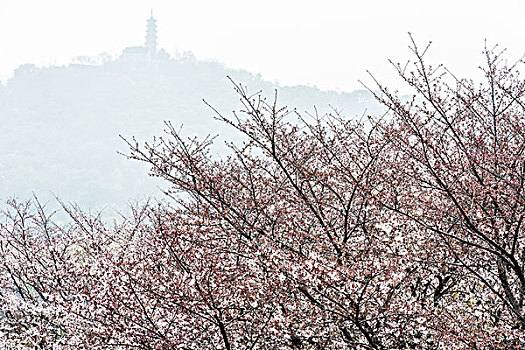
x=328, y=43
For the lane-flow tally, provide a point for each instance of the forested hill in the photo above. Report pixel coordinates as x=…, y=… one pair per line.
x=60, y=125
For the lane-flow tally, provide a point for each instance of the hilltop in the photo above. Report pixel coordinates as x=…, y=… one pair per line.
x=61, y=125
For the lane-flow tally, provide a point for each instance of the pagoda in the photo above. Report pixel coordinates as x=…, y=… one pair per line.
x=151, y=37
x=147, y=54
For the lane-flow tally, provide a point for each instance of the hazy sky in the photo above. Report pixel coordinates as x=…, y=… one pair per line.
x=326, y=43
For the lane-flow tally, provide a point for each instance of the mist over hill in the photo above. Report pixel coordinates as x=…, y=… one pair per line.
x=61, y=125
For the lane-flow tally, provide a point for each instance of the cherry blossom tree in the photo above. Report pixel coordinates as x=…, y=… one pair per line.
x=454, y=168
x=277, y=246
x=296, y=196
x=315, y=232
